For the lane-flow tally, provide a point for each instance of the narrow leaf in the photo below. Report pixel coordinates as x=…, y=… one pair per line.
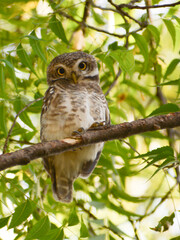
x=83, y=230
x=21, y=214
x=25, y=58
x=155, y=32
x=4, y=221
x=35, y=44
x=164, y=109
x=171, y=67
x=171, y=29
x=125, y=59
x=73, y=218
x=54, y=234
x=3, y=126
x=2, y=81
x=164, y=223
x=40, y=229
x=57, y=28
x=143, y=46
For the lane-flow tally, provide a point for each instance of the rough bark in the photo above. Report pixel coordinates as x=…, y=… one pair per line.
x=102, y=134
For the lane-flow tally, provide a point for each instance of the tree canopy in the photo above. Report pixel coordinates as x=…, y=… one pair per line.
x=133, y=193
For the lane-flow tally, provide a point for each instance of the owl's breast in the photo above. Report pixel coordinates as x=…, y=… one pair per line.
x=69, y=111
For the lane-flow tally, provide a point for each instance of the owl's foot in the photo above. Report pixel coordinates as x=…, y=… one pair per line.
x=96, y=125
x=78, y=133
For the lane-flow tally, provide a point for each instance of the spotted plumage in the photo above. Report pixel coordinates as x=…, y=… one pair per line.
x=73, y=100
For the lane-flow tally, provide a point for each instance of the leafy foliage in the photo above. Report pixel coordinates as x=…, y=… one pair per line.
x=133, y=192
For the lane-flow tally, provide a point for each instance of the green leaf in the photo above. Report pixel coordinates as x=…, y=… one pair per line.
x=98, y=18
x=83, y=230
x=40, y=229
x=22, y=212
x=173, y=82
x=57, y=28
x=3, y=121
x=164, y=109
x=35, y=44
x=143, y=46
x=155, y=32
x=100, y=237
x=73, y=218
x=2, y=82
x=11, y=70
x=4, y=221
x=176, y=238
x=125, y=59
x=54, y=234
x=164, y=223
x=171, y=67
x=171, y=29
x=19, y=104
x=24, y=58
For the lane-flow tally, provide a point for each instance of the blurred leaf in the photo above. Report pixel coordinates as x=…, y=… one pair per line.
x=73, y=218
x=173, y=82
x=3, y=122
x=164, y=223
x=4, y=221
x=164, y=109
x=11, y=70
x=54, y=234
x=19, y=104
x=171, y=67
x=35, y=44
x=83, y=230
x=25, y=58
x=40, y=229
x=143, y=46
x=22, y=212
x=100, y=237
x=2, y=82
x=97, y=17
x=57, y=28
x=171, y=29
x=155, y=32
x=125, y=59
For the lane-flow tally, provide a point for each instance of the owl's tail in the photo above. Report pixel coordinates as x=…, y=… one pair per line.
x=62, y=189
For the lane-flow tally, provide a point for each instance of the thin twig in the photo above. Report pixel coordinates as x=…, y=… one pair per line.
x=14, y=122
x=145, y=7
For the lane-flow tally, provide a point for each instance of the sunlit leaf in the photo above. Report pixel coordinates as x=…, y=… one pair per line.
x=73, y=218
x=3, y=122
x=125, y=59
x=36, y=46
x=165, y=223
x=164, y=109
x=143, y=46
x=57, y=28
x=171, y=67
x=83, y=230
x=54, y=234
x=40, y=229
x=171, y=29
x=2, y=81
x=22, y=212
x=24, y=58
x=4, y=221
x=155, y=32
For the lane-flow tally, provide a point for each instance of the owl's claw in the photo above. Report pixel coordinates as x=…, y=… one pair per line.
x=95, y=125
x=78, y=133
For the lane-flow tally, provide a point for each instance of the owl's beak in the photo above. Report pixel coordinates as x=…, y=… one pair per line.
x=74, y=77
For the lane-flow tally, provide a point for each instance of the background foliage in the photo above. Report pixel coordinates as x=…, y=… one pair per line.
x=134, y=191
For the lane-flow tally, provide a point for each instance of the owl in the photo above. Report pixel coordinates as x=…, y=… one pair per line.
x=74, y=100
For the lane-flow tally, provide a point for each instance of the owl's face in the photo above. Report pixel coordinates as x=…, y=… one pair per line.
x=72, y=68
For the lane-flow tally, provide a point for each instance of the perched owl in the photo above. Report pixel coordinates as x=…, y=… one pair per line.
x=73, y=100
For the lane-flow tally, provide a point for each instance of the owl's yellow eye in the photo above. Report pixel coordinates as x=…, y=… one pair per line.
x=83, y=65
x=60, y=71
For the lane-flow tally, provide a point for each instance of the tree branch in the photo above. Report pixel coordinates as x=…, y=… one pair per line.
x=102, y=134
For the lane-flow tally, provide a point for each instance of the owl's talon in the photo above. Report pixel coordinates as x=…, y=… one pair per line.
x=95, y=125
x=78, y=133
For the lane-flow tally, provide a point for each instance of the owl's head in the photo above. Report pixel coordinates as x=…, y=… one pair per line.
x=72, y=68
